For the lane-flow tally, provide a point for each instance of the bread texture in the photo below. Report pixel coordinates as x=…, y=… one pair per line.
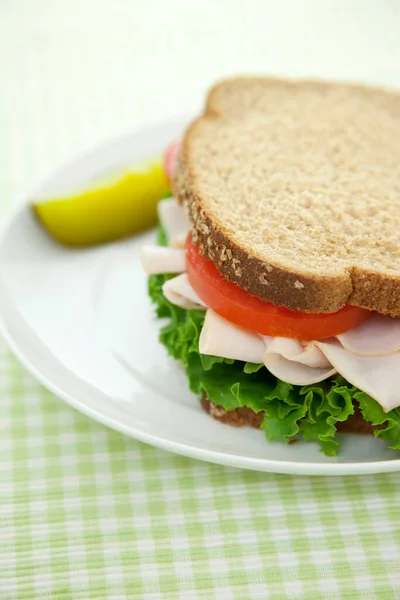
x=293, y=191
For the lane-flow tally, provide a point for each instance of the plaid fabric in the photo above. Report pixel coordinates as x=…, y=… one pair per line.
x=88, y=513
x=84, y=511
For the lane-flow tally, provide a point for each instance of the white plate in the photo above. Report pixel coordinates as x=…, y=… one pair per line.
x=81, y=322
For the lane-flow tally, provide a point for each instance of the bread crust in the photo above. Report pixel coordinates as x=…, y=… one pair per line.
x=296, y=289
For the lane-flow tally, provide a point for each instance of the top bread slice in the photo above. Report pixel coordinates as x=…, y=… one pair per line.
x=293, y=191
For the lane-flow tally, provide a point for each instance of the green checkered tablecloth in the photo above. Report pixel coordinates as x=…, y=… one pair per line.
x=88, y=513
x=84, y=511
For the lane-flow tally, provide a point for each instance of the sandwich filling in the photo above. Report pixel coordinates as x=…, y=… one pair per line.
x=300, y=385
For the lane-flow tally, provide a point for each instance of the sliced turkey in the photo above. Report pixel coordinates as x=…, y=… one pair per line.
x=221, y=338
x=378, y=376
x=159, y=259
x=174, y=222
x=294, y=363
x=179, y=291
x=379, y=336
x=305, y=353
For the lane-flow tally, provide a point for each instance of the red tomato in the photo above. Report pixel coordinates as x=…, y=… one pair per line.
x=170, y=156
x=242, y=308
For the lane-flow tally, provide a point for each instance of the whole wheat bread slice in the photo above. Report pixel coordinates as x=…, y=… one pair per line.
x=293, y=190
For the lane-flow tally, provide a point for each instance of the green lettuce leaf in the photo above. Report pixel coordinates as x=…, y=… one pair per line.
x=389, y=423
x=310, y=412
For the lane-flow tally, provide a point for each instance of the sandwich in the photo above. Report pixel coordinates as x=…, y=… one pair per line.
x=278, y=259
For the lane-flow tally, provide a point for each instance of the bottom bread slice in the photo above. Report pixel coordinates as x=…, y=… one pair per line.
x=245, y=416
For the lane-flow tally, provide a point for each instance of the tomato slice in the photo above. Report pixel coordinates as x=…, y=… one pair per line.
x=242, y=308
x=169, y=160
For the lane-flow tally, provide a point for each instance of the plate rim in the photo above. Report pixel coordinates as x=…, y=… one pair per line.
x=165, y=443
